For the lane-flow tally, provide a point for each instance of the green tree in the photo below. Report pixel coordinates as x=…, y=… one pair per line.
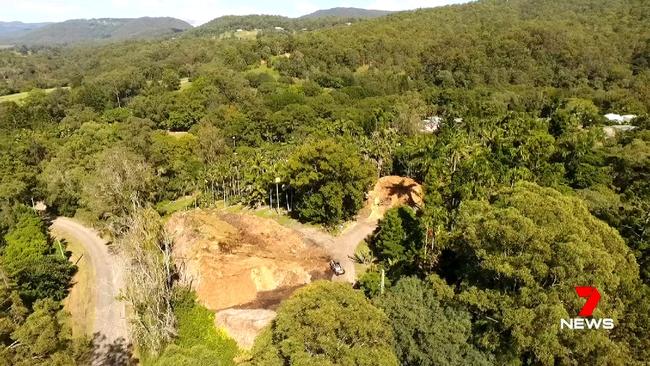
x=30, y=259
x=211, y=142
x=326, y=323
x=13, y=313
x=170, y=80
x=177, y=164
x=122, y=83
x=630, y=212
x=516, y=261
x=64, y=174
x=41, y=337
x=44, y=333
x=428, y=332
x=329, y=180
x=575, y=113
x=398, y=240
x=389, y=240
x=120, y=182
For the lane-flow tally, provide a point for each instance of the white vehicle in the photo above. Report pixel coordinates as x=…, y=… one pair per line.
x=336, y=268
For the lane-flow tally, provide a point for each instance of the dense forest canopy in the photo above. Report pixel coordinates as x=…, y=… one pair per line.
x=526, y=194
x=347, y=12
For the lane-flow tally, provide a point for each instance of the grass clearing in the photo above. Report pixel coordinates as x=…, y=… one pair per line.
x=280, y=217
x=17, y=97
x=80, y=303
x=167, y=208
x=178, y=134
x=240, y=34
x=265, y=69
x=14, y=97
x=246, y=34
x=185, y=83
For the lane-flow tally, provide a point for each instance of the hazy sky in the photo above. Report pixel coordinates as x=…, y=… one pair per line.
x=193, y=11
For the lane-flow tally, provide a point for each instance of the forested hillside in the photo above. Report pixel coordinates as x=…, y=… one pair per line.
x=346, y=13
x=12, y=29
x=89, y=30
x=525, y=196
x=272, y=24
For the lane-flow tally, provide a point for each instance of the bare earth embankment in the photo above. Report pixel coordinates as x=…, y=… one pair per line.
x=242, y=266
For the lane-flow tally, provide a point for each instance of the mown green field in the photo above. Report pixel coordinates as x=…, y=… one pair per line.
x=240, y=34
x=17, y=97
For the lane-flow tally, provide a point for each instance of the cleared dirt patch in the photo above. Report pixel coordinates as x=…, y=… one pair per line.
x=240, y=260
x=392, y=191
x=243, y=265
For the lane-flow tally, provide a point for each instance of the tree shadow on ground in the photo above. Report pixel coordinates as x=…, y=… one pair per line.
x=404, y=191
x=119, y=352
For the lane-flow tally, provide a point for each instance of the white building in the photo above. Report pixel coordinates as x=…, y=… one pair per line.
x=617, y=118
x=431, y=124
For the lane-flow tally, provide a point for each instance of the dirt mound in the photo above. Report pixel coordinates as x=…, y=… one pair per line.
x=240, y=260
x=244, y=325
x=392, y=191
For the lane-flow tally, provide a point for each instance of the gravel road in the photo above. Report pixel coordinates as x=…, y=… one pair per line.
x=110, y=316
x=342, y=247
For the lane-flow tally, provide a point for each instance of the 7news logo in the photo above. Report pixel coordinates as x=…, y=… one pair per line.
x=585, y=321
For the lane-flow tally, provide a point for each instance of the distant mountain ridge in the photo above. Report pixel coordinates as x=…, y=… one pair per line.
x=102, y=29
x=342, y=12
x=116, y=29
x=14, y=29
x=319, y=19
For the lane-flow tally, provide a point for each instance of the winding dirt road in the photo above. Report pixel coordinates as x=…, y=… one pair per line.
x=110, y=315
x=342, y=248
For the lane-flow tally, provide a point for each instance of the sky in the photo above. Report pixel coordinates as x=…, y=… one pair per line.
x=195, y=12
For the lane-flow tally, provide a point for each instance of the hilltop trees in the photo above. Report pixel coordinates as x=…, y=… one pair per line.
x=326, y=323
x=427, y=331
x=30, y=258
x=329, y=179
x=34, y=276
x=120, y=182
x=515, y=262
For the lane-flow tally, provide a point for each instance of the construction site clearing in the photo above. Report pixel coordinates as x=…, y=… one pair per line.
x=242, y=265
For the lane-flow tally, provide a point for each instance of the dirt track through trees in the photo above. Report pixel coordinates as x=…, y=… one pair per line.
x=389, y=191
x=109, y=314
x=341, y=248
